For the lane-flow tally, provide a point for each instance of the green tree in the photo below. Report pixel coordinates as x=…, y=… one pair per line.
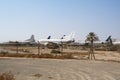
x=91, y=37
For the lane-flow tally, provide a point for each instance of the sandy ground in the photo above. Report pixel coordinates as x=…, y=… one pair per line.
x=63, y=69
x=58, y=69
x=108, y=55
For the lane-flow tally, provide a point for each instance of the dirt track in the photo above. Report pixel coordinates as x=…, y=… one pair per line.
x=52, y=69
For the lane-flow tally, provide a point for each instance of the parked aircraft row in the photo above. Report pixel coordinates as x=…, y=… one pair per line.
x=31, y=41
x=64, y=39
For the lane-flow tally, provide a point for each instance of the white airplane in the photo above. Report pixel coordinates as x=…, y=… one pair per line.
x=108, y=40
x=115, y=42
x=31, y=40
x=64, y=39
x=112, y=41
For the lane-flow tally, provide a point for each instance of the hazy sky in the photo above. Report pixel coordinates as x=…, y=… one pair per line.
x=21, y=18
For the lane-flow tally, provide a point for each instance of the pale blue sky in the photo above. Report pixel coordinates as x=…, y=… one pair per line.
x=21, y=18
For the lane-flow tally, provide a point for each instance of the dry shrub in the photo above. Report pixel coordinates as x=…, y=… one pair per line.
x=55, y=51
x=68, y=56
x=46, y=56
x=24, y=50
x=115, y=48
x=118, y=48
x=37, y=75
x=64, y=55
x=50, y=77
x=51, y=45
x=80, y=53
x=7, y=76
x=3, y=52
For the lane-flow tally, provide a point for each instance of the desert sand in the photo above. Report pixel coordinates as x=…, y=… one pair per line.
x=60, y=69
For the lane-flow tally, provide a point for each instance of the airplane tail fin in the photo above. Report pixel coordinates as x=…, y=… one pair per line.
x=63, y=36
x=49, y=37
x=108, y=39
x=70, y=36
x=32, y=39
